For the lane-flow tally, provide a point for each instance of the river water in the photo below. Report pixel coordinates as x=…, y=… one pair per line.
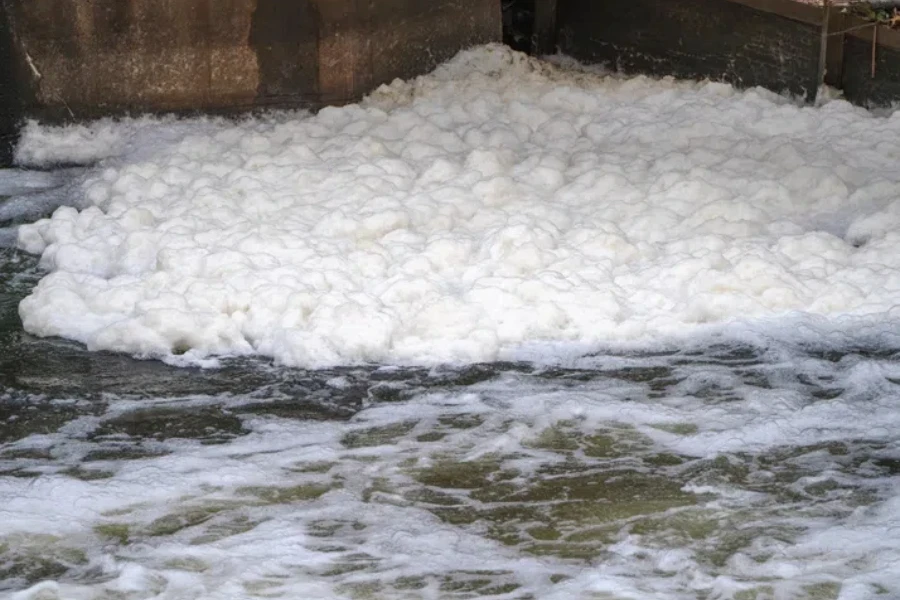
x=755, y=455
x=720, y=470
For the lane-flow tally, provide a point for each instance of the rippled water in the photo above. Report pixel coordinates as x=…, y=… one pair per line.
x=713, y=470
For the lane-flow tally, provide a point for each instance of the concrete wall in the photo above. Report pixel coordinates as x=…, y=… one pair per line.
x=776, y=44
x=10, y=106
x=695, y=39
x=88, y=58
x=76, y=59
x=855, y=76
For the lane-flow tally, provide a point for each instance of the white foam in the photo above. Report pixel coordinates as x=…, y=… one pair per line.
x=497, y=202
x=29, y=195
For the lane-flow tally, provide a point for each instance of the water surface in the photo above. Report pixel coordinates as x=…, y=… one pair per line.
x=722, y=470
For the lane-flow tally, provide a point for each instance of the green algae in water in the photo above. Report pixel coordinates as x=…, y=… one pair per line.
x=315, y=467
x=24, y=417
x=30, y=558
x=187, y=563
x=123, y=451
x=616, y=441
x=827, y=590
x=326, y=529
x=117, y=532
x=612, y=441
x=87, y=474
x=612, y=487
x=541, y=514
x=664, y=459
x=556, y=438
x=431, y=436
x=451, y=474
x=377, y=487
x=678, y=428
x=570, y=509
x=352, y=563
x=208, y=423
x=765, y=592
x=430, y=496
x=725, y=543
x=285, y=494
x=681, y=528
x=544, y=533
x=177, y=521
x=462, y=422
x=604, y=535
x=377, y=436
x=224, y=528
x=410, y=583
x=368, y=590
x=470, y=584
x=264, y=588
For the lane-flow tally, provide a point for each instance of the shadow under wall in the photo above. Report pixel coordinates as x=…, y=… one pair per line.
x=10, y=104
x=519, y=24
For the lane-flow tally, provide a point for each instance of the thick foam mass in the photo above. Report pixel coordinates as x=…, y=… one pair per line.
x=496, y=202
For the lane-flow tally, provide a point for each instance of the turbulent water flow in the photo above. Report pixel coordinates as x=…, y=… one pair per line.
x=578, y=337
x=722, y=470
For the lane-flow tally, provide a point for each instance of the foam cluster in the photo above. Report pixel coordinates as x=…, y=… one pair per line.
x=496, y=202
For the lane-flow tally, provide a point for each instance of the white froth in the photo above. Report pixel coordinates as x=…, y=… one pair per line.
x=497, y=202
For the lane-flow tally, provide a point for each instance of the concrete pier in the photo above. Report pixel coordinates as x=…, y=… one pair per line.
x=77, y=59
x=68, y=60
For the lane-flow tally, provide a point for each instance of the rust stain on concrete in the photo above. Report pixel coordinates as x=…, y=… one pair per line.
x=104, y=55
x=100, y=57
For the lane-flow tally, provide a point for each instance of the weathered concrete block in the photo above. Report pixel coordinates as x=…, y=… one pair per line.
x=859, y=84
x=694, y=39
x=10, y=103
x=73, y=59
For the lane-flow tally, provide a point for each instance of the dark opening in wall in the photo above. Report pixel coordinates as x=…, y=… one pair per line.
x=10, y=106
x=518, y=24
